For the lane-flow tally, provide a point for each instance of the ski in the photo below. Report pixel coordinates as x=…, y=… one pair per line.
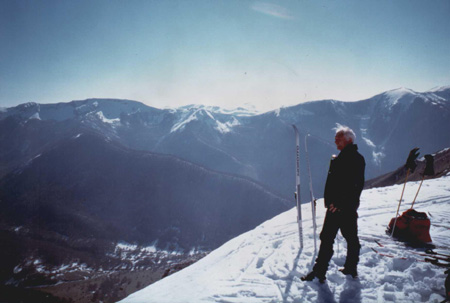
x=427, y=260
x=427, y=248
x=432, y=252
x=428, y=253
x=437, y=262
x=313, y=200
x=297, y=183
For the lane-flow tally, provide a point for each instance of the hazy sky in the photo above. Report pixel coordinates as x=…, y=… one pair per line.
x=267, y=53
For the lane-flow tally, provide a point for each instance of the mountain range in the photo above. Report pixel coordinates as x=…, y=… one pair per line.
x=78, y=179
x=241, y=142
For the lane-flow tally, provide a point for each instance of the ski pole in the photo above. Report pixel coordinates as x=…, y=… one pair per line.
x=399, y=202
x=429, y=171
x=417, y=191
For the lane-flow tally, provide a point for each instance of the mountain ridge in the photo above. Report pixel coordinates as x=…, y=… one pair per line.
x=260, y=146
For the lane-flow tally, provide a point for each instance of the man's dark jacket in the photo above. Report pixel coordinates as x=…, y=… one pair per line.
x=345, y=179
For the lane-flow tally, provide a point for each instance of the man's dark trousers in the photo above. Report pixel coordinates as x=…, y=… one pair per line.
x=346, y=221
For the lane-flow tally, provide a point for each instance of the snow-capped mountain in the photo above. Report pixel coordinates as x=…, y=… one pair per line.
x=259, y=146
x=211, y=116
x=110, y=108
x=265, y=264
x=244, y=111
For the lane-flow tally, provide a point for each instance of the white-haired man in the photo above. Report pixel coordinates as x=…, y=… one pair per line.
x=343, y=188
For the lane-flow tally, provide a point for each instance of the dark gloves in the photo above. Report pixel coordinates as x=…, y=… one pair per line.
x=411, y=161
x=429, y=168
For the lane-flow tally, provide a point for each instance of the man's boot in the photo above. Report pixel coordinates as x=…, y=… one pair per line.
x=312, y=275
x=349, y=271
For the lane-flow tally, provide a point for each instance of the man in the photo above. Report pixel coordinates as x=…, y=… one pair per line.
x=343, y=188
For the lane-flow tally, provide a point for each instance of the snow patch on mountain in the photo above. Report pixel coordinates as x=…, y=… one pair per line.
x=439, y=88
x=392, y=97
x=35, y=116
x=227, y=126
x=442, y=151
x=106, y=120
x=244, y=111
x=212, y=116
x=265, y=264
x=378, y=157
x=368, y=142
x=182, y=124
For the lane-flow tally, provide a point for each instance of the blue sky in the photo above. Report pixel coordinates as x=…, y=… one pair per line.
x=228, y=53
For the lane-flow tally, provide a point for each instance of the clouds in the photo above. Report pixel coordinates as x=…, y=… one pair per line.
x=272, y=10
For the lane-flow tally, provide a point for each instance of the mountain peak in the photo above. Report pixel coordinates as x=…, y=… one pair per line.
x=244, y=110
x=400, y=91
x=392, y=97
x=439, y=88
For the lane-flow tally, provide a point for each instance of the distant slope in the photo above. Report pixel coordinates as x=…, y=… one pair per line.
x=88, y=190
x=22, y=140
x=441, y=168
x=265, y=264
x=87, y=186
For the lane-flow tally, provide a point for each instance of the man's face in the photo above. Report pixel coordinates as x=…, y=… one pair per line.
x=341, y=141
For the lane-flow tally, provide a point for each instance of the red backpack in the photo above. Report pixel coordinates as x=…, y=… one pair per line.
x=413, y=226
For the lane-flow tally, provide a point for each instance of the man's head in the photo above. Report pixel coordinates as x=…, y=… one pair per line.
x=344, y=136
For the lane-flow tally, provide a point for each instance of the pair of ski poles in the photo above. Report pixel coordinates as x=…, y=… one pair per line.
x=411, y=166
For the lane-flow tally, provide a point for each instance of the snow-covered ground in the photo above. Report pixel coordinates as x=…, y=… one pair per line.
x=265, y=264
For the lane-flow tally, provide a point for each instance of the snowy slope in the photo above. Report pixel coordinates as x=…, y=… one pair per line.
x=265, y=264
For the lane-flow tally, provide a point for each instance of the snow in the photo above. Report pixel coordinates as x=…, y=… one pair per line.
x=369, y=142
x=17, y=269
x=106, y=120
x=35, y=157
x=265, y=264
x=133, y=247
x=126, y=246
x=196, y=113
x=244, y=111
x=35, y=116
x=180, y=125
x=439, y=88
x=444, y=150
x=277, y=112
x=209, y=114
x=393, y=96
x=227, y=126
x=377, y=157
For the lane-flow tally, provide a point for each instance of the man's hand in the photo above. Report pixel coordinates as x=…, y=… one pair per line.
x=333, y=209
